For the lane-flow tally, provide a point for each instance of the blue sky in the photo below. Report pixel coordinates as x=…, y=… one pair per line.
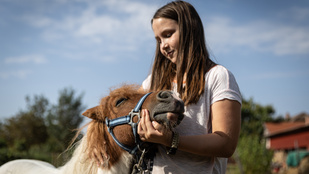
x=92, y=45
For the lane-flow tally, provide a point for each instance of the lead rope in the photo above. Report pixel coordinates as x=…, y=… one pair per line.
x=137, y=168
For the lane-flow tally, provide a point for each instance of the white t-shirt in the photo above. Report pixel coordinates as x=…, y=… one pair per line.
x=219, y=84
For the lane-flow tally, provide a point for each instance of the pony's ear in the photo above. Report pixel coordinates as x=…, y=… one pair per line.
x=92, y=113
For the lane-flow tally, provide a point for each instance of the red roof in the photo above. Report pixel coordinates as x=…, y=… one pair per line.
x=277, y=128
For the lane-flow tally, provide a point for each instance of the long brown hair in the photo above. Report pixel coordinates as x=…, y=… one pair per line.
x=192, y=59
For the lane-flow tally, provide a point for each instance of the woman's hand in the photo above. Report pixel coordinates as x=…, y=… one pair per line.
x=152, y=131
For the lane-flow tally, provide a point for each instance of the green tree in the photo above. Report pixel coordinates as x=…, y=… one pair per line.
x=251, y=154
x=24, y=130
x=254, y=157
x=41, y=131
x=28, y=127
x=253, y=116
x=63, y=118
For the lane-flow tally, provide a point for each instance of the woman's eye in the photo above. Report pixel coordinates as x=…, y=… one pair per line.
x=120, y=101
x=169, y=35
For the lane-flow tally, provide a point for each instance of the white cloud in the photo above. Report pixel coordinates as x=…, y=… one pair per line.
x=21, y=74
x=97, y=26
x=280, y=39
x=94, y=30
x=116, y=23
x=36, y=59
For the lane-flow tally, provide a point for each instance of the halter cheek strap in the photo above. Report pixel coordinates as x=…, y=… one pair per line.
x=128, y=119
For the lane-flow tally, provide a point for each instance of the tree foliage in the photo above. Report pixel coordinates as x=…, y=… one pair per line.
x=63, y=118
x=28, y=127
x=41, y=131
x=251, y=150
x=253, y=116
x=254, y=157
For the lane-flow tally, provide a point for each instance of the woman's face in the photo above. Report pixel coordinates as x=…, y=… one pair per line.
x=166, y=32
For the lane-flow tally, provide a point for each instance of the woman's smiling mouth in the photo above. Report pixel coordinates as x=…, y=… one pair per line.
x=170, y=54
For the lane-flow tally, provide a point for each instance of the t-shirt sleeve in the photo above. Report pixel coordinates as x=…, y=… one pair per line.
x=146, y=83
x=224, y=86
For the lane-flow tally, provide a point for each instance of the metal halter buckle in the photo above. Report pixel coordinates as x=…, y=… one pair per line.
x=128, y=119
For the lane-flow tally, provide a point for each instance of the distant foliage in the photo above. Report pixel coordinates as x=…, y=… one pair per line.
x=255, y=158
x=42, y=131
x=63, y=118
x=253, y=117
x=251, y=154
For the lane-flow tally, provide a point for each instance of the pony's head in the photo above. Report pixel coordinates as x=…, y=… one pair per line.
x=119, y=103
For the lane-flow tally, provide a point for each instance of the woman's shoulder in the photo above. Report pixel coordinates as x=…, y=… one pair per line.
x=221, y=76
x=146, y=83
x=218, y=71
x=218, y=68
x=223, y=84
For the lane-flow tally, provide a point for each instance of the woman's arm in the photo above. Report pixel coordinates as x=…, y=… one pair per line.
x=225, y=115
x=222, y=142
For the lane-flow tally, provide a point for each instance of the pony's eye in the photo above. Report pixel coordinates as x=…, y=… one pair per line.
x=120, y=101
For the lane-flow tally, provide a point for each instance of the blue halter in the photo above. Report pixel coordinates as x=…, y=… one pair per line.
x=128, y=119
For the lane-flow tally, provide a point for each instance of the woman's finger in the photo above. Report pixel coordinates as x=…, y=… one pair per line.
x=160, y=128
x=140, y=131
x=141, y=126
x=142, y=121
x=148, y=122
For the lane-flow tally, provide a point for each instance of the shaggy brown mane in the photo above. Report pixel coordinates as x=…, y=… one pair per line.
x=97, y=134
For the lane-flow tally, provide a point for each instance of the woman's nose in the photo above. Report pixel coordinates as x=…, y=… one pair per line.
x=164, y=45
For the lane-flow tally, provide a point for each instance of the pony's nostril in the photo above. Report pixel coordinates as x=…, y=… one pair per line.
x=164, y=95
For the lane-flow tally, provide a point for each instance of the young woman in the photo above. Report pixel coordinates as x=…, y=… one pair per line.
x=208, y=134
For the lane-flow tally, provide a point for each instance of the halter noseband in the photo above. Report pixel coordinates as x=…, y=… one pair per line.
x=128, y=119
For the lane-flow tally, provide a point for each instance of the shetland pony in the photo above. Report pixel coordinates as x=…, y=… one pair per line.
x=119, y=103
